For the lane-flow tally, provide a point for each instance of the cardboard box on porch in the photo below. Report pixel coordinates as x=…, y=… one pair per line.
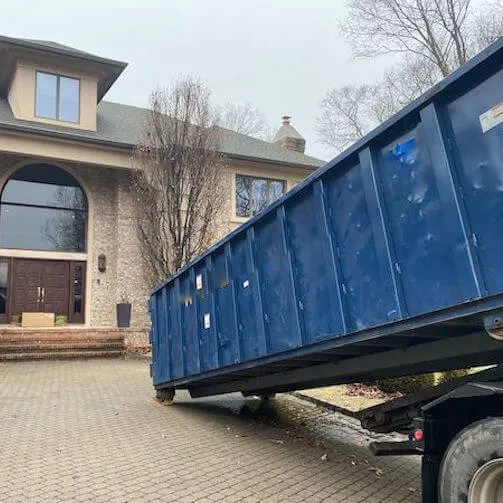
x=38, y=320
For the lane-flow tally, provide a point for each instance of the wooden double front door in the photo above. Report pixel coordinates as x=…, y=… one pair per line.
x=49, y=286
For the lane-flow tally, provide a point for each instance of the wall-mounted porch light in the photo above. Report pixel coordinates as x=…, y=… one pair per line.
x=102, y=263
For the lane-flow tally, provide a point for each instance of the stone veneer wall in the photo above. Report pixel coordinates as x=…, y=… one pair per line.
x=102, y=187
x=130, y=276
x=113, y=235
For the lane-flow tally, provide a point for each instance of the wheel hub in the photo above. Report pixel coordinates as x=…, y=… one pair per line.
x=486, y=485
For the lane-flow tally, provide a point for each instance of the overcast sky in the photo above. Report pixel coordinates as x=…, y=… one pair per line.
x=280, y=55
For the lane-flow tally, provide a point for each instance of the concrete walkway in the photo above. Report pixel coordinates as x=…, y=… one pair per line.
x=91, y=431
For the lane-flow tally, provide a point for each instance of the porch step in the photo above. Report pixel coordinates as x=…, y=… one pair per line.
x=12, y=334
x=59, y=343
x=59, y=355
x=59, y=346
x=56, y=339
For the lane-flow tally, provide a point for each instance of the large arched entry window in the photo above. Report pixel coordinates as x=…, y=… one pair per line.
x=43, y=217
x=43, y=207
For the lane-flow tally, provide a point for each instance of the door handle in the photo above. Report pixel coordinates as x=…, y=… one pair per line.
x=39, y=294
x=43, y=294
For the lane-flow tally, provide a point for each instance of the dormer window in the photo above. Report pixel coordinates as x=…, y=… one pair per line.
x=57, y=97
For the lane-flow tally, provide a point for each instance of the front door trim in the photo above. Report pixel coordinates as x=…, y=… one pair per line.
x=73, y=315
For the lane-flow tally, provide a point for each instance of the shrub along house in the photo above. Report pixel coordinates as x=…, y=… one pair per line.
x=67, y=241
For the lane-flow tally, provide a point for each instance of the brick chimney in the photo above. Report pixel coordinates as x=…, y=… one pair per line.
x=288, y=137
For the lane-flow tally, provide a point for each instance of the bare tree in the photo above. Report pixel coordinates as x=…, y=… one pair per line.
x=179, y=185
x=404, y=82
x=487, y=25
x=344, y=116
x=433, y=30
x=246, y=119
x=350, y=112
x=434, y=36
x=444, y=33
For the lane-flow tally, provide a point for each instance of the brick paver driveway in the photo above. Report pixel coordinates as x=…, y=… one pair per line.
x=91, y=431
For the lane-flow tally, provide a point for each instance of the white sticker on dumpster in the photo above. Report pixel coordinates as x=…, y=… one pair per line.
x=207, y=322
x=199, y=282
x=246, y=283
x=492, y=117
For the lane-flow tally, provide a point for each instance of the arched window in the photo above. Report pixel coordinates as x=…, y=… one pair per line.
x=43, y=207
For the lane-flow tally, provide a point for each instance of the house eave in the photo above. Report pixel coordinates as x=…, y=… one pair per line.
x=63, y=135
x=68, y=136
x=284, y=164
x=64, y=149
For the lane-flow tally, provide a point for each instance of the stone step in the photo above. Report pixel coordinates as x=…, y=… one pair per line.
x=57, y=335
x=56, y=338
x=18, y=343
x=59, y=355
x=66, y=345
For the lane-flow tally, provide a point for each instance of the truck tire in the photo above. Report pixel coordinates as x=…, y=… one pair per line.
x=472, y=467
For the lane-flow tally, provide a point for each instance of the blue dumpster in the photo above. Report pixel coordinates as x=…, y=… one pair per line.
x=384, y=262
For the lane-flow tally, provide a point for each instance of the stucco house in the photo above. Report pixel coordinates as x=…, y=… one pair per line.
x=67, y=239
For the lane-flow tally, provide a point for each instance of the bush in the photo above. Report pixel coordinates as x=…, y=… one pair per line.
x=408, y=384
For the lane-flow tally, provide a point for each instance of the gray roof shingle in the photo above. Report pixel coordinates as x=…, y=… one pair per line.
x=49, y=45
x=120, y=125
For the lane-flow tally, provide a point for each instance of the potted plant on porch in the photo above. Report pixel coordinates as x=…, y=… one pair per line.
x=124, y=312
